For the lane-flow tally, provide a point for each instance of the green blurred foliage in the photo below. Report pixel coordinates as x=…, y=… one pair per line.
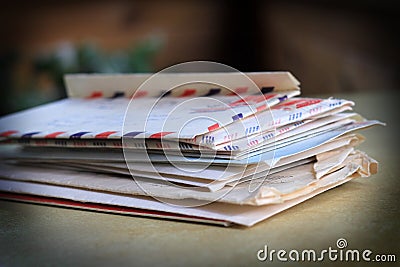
x=45, y=83
x=89, y=58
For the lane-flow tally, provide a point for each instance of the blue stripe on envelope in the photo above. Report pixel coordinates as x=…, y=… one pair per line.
x=268, y=89
x=213, y=91
x=132, y=134
x=29, y=135
x=237, y=116
x=118, y=94
x=78, y=135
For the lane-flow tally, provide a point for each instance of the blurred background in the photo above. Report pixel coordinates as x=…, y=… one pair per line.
x=330, y=46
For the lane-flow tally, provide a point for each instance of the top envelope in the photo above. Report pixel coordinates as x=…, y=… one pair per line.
x=177, y=84
x=112, y=106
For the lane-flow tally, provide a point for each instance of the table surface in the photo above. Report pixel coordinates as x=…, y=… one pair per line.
x=365, y=212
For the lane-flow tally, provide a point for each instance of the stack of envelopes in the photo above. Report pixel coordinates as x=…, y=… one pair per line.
x=238, y=153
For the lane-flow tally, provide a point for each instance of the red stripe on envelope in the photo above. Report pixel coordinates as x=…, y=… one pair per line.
x=188, y=92
x=159, y=135
x=139, y=94
x=53, y=135
x=105, y=134
x=239, y=90
x=7, y=133
x=213, y=127
x=95, y=94
x=261, y=108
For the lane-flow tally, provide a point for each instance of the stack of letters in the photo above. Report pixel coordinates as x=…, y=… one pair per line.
x=223, y=148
